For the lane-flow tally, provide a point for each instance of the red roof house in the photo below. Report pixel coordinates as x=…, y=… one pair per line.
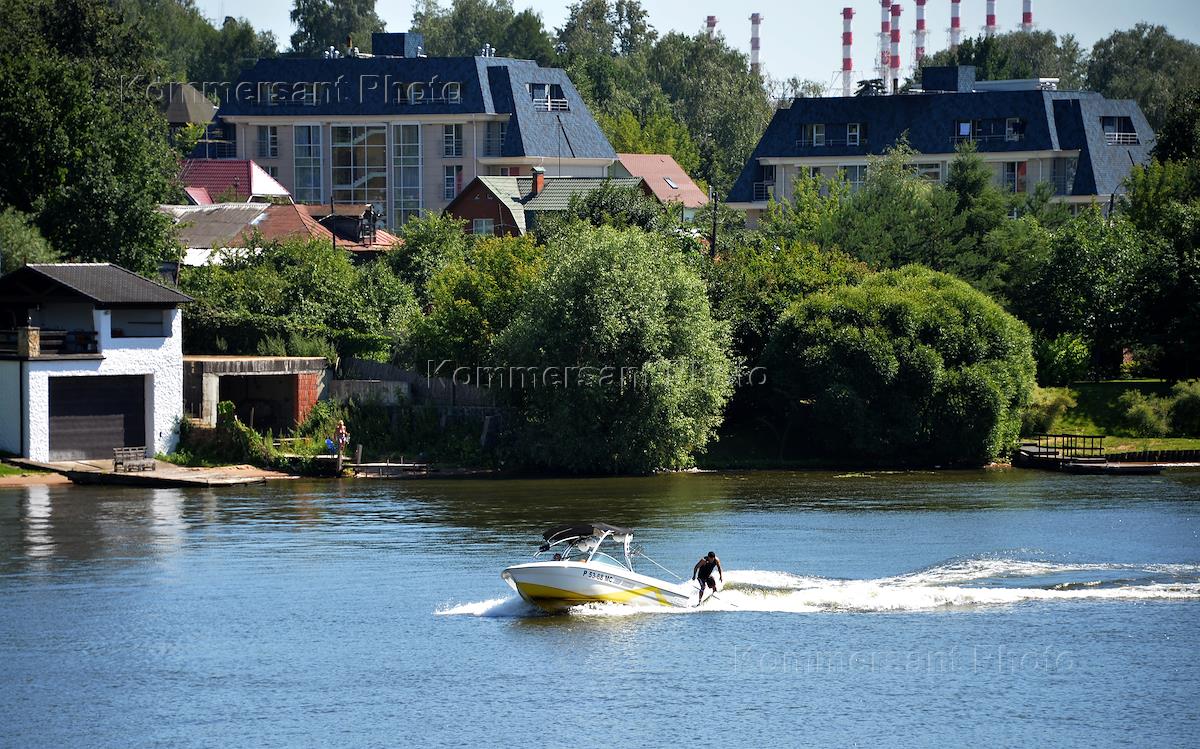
x=243, y=179
x=665, y=178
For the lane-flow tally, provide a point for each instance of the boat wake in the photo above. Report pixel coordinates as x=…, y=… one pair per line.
x=958, y=584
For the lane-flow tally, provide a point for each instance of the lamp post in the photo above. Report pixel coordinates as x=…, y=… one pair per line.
x=712, y=199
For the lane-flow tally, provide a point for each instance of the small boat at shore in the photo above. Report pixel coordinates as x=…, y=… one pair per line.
x=591, y=563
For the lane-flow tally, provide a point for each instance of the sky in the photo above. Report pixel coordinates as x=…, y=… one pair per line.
x=803, y=37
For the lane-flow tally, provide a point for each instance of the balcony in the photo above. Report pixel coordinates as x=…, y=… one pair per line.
x=551, y=105
x=38, y=342
x=1061, y=184
x=764, y=191
x=493, y=146
x=828, y=142
x=1121, y=139
x=985, y=139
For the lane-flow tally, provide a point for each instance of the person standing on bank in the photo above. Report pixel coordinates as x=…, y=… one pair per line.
x=703, y=572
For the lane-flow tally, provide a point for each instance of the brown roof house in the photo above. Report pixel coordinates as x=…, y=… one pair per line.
x=665, y=178
x=91, y=359
x=506, y=206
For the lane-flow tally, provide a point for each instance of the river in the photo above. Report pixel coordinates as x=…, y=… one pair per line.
x=999, y=608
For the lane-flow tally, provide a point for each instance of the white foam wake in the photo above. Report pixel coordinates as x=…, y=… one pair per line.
x=969, y=583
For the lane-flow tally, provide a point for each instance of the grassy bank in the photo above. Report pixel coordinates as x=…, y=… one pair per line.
x=1097, y=410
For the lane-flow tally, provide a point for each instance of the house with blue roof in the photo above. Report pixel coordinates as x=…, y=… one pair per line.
x=405, y=132
x=1080, y=143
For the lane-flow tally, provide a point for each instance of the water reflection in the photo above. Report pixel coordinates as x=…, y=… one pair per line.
x=38, y=538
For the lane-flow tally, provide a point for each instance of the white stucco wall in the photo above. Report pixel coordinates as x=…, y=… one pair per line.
x=10, y=407
x=161, y=359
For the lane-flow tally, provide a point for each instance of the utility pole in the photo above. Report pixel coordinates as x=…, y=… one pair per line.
x=712, y=198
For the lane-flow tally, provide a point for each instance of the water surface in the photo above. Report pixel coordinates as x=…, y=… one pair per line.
x=921, y=609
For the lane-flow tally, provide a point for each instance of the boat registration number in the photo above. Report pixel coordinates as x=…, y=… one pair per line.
x=604, y=578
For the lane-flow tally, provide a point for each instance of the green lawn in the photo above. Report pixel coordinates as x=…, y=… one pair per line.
x=10, y=470
x=1096, y=412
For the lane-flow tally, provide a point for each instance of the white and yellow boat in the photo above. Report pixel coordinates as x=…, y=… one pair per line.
x=583, y=569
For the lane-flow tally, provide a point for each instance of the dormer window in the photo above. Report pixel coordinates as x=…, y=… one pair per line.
x=814, y=135
x=853, y=134
x=964, y=129
x=548, y=97
x=1014, y=129
x=1119, y=131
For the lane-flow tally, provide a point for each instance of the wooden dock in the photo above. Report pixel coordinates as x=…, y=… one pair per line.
x=100, y=472
x=1081, y=454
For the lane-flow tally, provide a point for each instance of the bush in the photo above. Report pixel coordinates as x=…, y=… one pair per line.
x=231, y=442
x=1062, y=360
x=1185, y=409
x=909, y=367
x=1045, y=408
x=1144, y=415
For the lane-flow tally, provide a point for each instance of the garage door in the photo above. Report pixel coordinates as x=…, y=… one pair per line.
x=89, y=416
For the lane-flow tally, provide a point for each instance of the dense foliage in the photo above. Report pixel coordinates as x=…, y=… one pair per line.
x=623, y=367
x=908, y=366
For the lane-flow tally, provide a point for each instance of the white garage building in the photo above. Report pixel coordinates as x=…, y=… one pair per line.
x=91, y=358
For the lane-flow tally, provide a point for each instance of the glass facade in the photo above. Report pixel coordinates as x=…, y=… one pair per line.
x=359, y=170
x=406, y=173
x=307, y=150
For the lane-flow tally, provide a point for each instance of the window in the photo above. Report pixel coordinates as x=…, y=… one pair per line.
x=931, y=172
x=814, y=172
x=963, y=129
x=493, y=141
x=452, y=181
x=1062, y=174
x=1014, y=128
x=359, y=155
x=306, y=149
x=854, y=174
x=814, y=135
x=272, y=171
x=548, y=97
x=406, y=173
x=483, y=226
x=452, y=141
x=853, y=134
x=509, y=171
x=671, y=183
x=1014, y=175
x=307, y=94
x=138, y=323
x=1119, y=131
x=268, y=142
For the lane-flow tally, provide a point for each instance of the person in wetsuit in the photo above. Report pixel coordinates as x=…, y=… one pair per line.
x=703, y=572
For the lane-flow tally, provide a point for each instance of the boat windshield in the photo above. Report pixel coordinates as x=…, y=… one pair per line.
x=606, y=549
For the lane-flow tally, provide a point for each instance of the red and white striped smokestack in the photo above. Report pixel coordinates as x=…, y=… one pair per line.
x=955, y=24
x=885, y=36
x=989, y=28
x=1027, y=16
x=847, y=43
x=919, y=35
x=755, y=22
x=894, y=54
x=711, y=23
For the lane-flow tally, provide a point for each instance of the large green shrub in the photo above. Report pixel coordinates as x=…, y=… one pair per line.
x=1045, y=408
x=1145, y=415
x=1185, y=408
x=618, y=363
x=909, y=367
x=1062, y=360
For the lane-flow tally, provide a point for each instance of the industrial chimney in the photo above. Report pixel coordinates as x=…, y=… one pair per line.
x=1027, y=16
x=955, y=24
x=755, y=21
x=711, y=23
x=847, y=42
x=919, y=35
x=894, y=54
x=989, y=28
x=885, y=38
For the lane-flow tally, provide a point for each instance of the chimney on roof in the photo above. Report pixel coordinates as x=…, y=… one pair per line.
x=539, y=180
x=847, y=60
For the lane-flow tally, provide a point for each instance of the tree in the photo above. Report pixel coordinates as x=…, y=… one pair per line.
x=1019, y=54
x=21, y=242
x=429, y=243
x=632, y=372
x=657, y=133
x=87, y=152
x=620, y=207
x=908, y=367
x=526, y=38
x=589, y=30
x=321, y=24
x=230, y=49
x=1179, y=135
x=190, y=46
x=1145, y=63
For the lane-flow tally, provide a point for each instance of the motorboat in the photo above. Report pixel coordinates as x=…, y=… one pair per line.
x=580, y=563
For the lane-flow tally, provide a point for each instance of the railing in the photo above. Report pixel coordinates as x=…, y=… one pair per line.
x=763, y=191
x=493, y=146
x=1061, y=184
x=1065, y=446
x=42, y=342
x=810, y=143
x=551, y=105
x=993, y=138
x=1121, y=139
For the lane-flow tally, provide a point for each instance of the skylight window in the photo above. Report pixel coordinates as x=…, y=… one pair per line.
x=671, y=183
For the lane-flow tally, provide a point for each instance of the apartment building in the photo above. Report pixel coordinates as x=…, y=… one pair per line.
x=1079, y=142
x=404, y=132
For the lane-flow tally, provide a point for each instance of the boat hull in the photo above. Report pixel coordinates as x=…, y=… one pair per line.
x=554, y=586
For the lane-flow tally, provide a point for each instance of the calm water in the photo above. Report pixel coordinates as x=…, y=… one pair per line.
x=988, y=608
